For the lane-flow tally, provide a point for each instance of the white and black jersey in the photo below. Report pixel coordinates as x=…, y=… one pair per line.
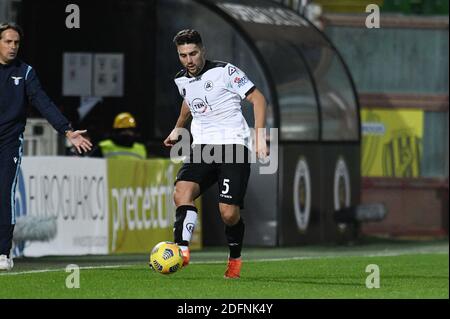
x=214, y=98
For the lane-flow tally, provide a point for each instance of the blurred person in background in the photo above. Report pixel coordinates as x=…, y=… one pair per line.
x=124, y=140
x=19, y=84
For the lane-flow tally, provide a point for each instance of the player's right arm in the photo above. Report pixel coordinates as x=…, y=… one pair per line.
x=185, y=114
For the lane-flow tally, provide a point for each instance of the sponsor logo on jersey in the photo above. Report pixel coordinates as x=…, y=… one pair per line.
x=199, y=106
x=209, y=86
x=231, y=70
x=241, y=81
x=196, y=79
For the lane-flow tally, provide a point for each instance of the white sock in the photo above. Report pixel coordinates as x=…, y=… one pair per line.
x=189, y=225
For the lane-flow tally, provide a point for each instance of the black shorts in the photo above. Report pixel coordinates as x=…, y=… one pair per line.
x=230, y=173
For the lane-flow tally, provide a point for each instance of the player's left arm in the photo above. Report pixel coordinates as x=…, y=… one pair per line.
x=259, y=109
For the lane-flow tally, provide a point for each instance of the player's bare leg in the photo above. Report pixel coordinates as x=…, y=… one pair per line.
x=234, y=231
x=186, y=215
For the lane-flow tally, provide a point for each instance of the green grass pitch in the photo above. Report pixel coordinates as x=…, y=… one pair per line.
x=406, y=270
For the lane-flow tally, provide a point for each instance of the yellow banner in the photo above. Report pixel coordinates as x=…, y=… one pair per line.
x=141, y=205
x=391, y=142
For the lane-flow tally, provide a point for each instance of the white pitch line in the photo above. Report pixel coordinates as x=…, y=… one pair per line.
x=57, y=269
x=380, y=254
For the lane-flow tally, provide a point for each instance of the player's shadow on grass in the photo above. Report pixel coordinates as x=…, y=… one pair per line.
x=306, y=280
x=280, y=280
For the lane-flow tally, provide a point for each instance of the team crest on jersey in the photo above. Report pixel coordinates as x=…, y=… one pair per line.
x=17, y=79
x=231, y=70
x=183, y=92
x=209, y=86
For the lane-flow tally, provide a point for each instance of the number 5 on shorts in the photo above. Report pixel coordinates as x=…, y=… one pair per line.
x=227, y=187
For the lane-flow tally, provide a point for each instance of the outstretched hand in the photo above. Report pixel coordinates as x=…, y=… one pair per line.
x=81, y=143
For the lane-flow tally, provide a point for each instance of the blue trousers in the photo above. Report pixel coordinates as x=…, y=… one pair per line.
x=10, y=158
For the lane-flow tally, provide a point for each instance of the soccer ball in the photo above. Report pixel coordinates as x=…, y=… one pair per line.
x=166, y=258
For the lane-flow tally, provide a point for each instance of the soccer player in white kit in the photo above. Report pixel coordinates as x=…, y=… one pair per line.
x=212, y=92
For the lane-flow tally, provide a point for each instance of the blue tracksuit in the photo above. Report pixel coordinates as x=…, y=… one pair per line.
x=19, y=85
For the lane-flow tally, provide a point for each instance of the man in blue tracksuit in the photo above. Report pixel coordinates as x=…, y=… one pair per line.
x=19, y=84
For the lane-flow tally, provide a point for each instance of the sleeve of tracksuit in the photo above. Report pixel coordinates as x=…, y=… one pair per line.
x=42, y=102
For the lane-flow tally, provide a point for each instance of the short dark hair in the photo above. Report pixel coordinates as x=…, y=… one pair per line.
x=188, y=36
x=10, y=25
